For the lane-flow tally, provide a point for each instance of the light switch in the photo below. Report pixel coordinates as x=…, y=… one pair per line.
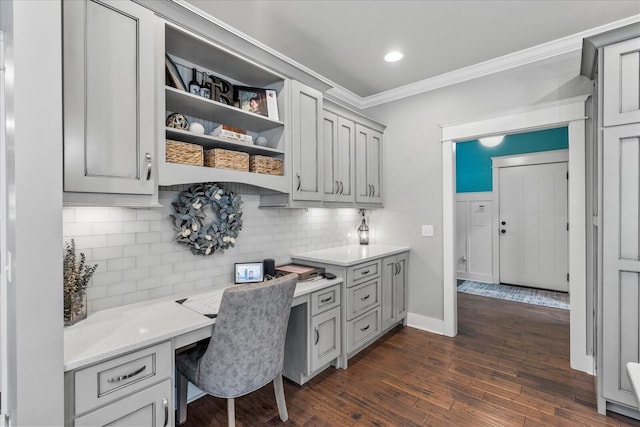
x=427, y=230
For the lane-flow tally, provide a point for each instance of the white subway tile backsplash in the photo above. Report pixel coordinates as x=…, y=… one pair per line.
x=107, y=253
x=149, y=237
x=135, y=297
x=139, y=259
x=118, y=264
x=121, y=239
x=107, y=228
x=135, y=227
x=105, y=303
x=106, y=278
x=135, y=250
x=92, y=214
x=136, y=273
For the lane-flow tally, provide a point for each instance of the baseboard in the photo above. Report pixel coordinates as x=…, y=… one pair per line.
x=425, y=323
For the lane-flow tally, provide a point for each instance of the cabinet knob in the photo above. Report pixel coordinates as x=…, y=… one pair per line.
x=503, y=231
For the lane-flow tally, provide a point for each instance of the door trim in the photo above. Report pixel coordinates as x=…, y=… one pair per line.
x=565, y=112
x=528, y=159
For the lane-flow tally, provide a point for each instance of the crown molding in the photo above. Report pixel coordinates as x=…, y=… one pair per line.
x=548, y=50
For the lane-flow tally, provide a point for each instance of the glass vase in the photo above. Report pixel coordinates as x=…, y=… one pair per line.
x=75, y=309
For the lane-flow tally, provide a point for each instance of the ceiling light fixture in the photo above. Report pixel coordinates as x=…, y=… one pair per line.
x=491, y=141
x=394, y=56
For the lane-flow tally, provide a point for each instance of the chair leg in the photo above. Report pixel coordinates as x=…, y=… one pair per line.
x=183, y=385
x=282, y=404
x=231, y=412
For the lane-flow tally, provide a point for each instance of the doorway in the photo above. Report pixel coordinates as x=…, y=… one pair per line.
x=567, y=112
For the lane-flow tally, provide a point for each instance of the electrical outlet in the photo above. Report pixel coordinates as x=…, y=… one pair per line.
x=427, y=230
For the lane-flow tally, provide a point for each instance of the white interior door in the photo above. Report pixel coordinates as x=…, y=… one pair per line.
x=533, y=226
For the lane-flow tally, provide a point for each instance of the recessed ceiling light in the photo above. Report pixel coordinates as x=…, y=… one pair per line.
x=394, y=56
x=491, y=141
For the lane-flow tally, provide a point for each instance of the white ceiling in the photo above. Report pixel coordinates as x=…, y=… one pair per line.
x=346, y=40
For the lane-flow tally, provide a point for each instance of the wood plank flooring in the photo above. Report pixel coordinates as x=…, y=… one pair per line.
x=508, y=366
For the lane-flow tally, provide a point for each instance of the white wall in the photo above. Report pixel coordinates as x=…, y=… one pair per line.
x=413, y=158
x=138, y=258
x=35, y=204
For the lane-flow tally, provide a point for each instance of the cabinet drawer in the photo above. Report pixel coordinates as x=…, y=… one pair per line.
x=363, y=330
x=149, y=407
x=363, y=272
x=362, y=298
x=110, y=380
x=325, y=299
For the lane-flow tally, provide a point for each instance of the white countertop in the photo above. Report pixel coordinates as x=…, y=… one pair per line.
x=109, y=333
x=633, y=370
x=347, y=256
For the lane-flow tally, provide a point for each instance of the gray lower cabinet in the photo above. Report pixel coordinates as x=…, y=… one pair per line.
x=133, y=389
x=313, y=340
x=394, y=295
x=374, y=298
x=109, y=102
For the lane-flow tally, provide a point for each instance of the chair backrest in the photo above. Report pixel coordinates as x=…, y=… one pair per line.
x=246, y=349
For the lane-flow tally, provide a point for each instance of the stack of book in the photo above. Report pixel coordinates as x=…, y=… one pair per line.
x=232, y=133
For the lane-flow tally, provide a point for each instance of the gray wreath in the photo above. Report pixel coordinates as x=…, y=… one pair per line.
x=189, y=218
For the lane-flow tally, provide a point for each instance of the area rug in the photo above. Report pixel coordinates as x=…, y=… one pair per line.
x=516, y=293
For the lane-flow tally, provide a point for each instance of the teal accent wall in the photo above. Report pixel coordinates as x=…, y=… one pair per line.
x=473, y=160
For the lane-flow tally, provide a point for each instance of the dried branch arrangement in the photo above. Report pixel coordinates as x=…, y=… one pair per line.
x=76, y=278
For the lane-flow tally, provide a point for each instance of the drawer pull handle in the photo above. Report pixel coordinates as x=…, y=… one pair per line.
x=326, y=299
x=165, y=405
x=364, y=298
x=127, y=376
x=365, y=328
x=317, y=337
x=299, y=181
x=364, y=272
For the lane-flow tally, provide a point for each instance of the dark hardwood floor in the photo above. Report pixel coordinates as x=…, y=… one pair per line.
x=508, y=366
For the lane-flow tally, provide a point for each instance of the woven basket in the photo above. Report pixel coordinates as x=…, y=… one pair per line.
x=264, y=164
x=226, y=159
x=184, y=153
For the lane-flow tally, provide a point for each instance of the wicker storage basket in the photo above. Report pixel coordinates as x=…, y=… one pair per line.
x=226, y=159
x=183, y=152
x=264, y=164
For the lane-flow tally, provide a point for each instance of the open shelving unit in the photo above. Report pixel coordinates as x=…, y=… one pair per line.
x=191, y=50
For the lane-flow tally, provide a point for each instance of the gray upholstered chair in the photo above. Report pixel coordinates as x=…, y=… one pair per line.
x=246, y=349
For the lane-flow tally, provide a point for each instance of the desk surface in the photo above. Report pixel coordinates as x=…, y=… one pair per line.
x=109, y=333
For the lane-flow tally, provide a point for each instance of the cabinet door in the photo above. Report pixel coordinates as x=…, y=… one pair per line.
x=326, y=338
x=331, y=185
x=620, y=260
x=389, y=269
x=109, y=99
x=306, y=142
x=344, y=158
x=394, y=295
x=621, y=91
x=400, y=286
x=150, y=407
x=368, y=165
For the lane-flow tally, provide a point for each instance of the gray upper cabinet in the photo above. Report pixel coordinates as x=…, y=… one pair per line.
x=621, y=84
x=368, y=165
x=339, y=142
x=306, y=143
x=109, y=99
